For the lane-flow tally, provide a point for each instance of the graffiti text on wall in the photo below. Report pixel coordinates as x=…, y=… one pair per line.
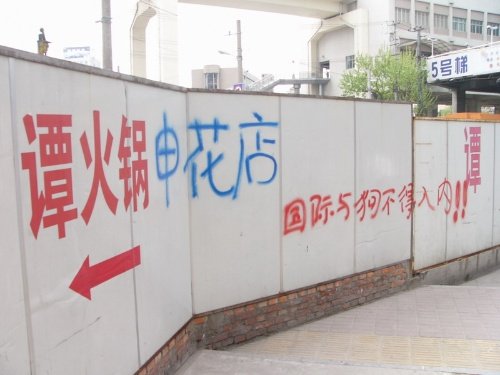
x=372, y=203
x=472, y=149
x=52, y=196
x=201, y=164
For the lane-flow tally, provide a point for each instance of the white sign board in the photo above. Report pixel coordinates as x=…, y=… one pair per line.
x=463, y=63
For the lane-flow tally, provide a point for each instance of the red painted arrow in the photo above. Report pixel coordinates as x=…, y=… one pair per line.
x=89, y=277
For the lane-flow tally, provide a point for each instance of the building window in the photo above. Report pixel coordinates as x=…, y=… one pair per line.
x=440, y=21
x=211, y=81
x=459, y=24
x=350, y=62
x=476, y=27
x=495, y=27
x=403, y=15
x=422, y=19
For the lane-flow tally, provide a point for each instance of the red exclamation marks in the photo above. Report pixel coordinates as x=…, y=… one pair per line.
x=465, y=193
x=458, y=188
x=461, y=194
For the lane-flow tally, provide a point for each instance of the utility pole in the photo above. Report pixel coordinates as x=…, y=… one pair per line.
x=394, y=37
x=418, y=29
x=107, y=52
x=239, y=52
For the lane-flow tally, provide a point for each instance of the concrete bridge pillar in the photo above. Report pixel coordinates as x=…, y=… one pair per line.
x=458, y=100
x=166, y=13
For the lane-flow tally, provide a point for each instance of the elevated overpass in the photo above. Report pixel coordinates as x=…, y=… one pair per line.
x=147, y=9
x=310, y=8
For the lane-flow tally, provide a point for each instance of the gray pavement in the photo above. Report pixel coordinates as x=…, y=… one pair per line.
x=427, y=330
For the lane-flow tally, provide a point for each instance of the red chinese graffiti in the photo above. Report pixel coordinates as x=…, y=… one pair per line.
x=295, y=216
x=472, y=149
x=53, y=204
x=134, y=175
x=372, y=202
x=461, y=191
x=99, y=178
x=51, y=196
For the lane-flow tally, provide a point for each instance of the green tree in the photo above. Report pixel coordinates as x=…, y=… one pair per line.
x=389, y=77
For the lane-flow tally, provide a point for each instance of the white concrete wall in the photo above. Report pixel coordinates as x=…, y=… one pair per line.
x=234, y=197
x=125, y=319
x=447, y=226
x=344, y=151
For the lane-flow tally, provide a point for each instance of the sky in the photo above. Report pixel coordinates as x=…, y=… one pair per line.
x=271, y=43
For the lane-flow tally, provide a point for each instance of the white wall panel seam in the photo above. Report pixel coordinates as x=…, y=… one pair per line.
x=132, y=242
x=189, y=200
x=354, y=151
x=447, y=177
x=412, y=217
x=22, y=244
x=280, y=192
x=496, y=155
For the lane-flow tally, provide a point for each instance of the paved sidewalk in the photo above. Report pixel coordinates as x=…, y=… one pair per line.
x=430, y=329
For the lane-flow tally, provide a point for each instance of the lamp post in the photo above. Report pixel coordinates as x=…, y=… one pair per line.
x=239, y=52
x=491, y=28
x=432, y=40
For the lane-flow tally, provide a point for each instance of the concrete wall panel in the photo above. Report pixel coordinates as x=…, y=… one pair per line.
x=431, y=167
x=163, y=281
x=464, y=218
x=318, y=170
x=383, y=184
x=14, y=332
x=470, y=225
x=234, y=190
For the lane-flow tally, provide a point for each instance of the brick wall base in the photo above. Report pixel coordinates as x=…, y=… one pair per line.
x=236, y=324
x=456, y=271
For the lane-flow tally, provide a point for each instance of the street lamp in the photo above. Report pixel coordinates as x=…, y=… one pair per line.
x=432, y=44
x=491, y=28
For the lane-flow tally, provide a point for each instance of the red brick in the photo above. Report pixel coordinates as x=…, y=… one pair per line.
x=261, y=318
x=200, y=320
x=272, y=308
x=239, y=311
x=292, y=296
x=172, y=343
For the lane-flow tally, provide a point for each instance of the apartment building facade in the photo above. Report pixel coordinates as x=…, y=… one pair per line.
x=367, y=26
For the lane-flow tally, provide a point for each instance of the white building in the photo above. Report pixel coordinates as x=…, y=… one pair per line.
x=369, y=25
x=213, y=77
